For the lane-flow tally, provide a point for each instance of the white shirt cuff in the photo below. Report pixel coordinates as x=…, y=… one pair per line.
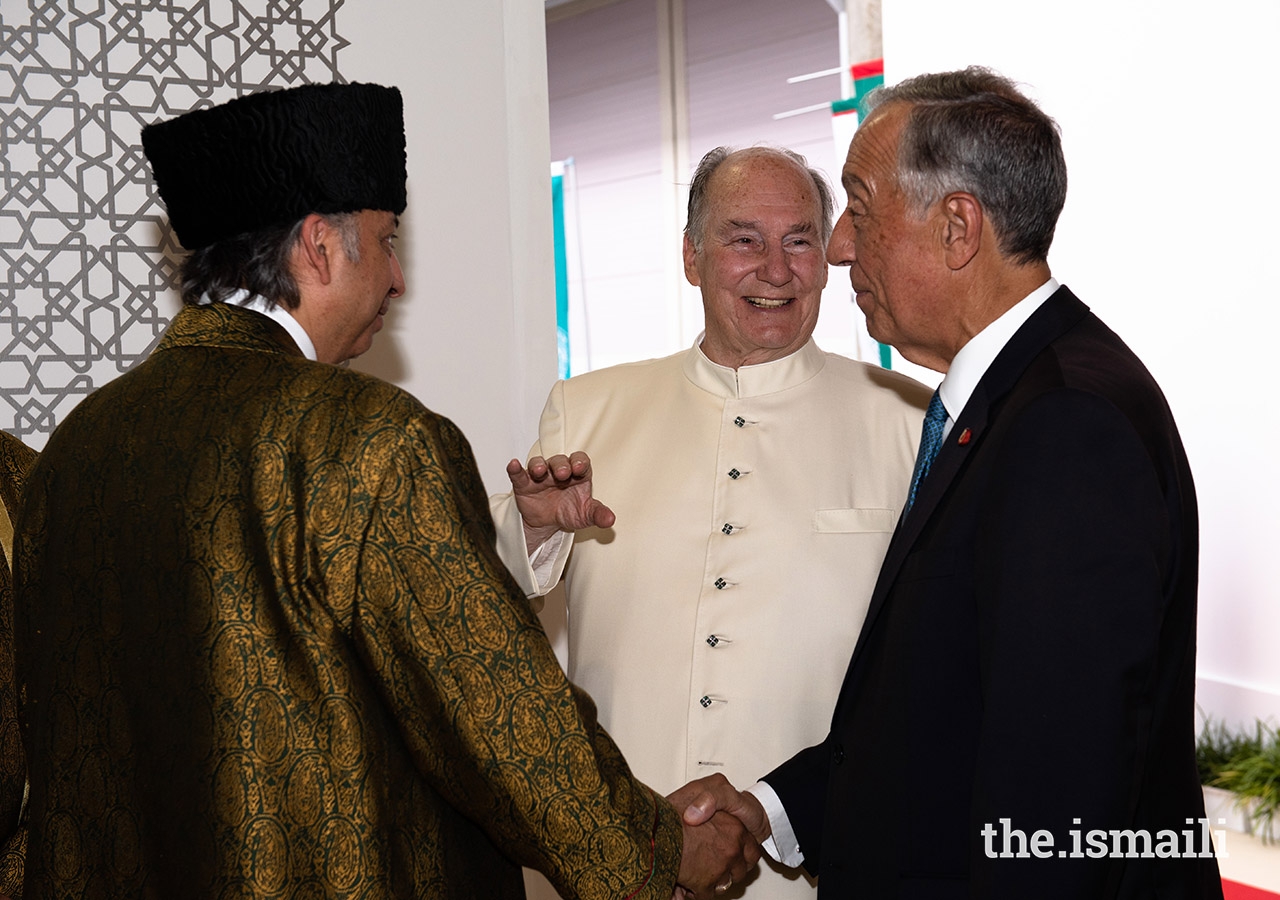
x=782, y=845
x=543, y=560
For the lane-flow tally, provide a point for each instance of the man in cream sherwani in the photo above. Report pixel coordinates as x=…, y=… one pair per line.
x=755, y=479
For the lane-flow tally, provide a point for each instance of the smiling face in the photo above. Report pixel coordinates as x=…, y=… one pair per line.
x=894, y=255
x=761, y=267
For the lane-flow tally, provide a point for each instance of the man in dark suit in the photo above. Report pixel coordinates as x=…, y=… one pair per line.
x=1017, y=717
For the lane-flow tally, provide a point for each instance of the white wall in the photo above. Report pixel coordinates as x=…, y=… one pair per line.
x=1168, y=123
x=474, y=336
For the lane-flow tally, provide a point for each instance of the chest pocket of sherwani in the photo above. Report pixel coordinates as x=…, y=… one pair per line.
x=854, y=521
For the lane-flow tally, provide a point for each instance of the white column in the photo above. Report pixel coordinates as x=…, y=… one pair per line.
x=865, y=40
x=685, y=302
x=474, y=336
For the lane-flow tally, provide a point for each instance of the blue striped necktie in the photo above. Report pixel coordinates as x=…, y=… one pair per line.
x=930, y=442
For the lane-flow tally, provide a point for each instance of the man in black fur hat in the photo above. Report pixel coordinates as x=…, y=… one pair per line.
x=266, y=644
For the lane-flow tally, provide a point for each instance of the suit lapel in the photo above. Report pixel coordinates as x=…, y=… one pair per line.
x=1055, y=316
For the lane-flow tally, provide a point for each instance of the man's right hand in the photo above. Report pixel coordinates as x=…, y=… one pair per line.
x=555, y=495
x=699, y=800
x=720, y=849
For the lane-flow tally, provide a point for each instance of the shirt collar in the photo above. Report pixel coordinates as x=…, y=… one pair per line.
x=275, y=311
x=975, y=357
x=753, y=381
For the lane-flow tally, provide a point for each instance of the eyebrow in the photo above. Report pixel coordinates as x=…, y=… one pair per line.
x=852, y=181
x=801, y=227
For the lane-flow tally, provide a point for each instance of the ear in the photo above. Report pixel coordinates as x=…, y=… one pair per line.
x=961, y=228
x=690, y=262
x=316, y=245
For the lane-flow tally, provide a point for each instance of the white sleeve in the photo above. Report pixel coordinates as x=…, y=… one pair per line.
x=535, y=574
x=539, y=572
x=781, y=845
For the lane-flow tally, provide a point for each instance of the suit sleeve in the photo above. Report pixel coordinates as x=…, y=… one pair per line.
x=1073, y=555
x=480, y=698
x=801, y=785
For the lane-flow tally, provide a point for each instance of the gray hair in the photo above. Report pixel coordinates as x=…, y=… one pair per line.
x=699, y=203
x=258, y=262
x=974, y=131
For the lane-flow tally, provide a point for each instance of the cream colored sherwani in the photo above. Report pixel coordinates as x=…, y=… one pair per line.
x=713, y=623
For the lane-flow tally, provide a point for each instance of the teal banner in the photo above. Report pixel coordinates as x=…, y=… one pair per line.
x=562, y=275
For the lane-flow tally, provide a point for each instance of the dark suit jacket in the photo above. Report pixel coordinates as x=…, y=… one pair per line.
x=1029, y=652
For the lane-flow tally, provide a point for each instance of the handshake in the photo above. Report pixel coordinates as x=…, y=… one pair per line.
x=723, y=828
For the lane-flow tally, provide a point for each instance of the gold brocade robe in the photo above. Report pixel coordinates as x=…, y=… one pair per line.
x=269, y=651
x=16, y=459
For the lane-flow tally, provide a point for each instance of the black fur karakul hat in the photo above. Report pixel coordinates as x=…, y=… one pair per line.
x=274, y=157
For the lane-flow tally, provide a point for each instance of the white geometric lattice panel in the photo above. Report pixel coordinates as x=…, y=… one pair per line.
x=87, y=261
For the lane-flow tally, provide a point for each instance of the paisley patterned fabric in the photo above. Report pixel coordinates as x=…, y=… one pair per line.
x=16, y=459
x=269, y=651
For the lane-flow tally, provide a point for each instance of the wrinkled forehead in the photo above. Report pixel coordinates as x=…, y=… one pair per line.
x=872, y=161
x=756, y=185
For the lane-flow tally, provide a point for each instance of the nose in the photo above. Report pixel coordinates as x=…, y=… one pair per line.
x=397, y=277
x=840, y=245
x=775, y=268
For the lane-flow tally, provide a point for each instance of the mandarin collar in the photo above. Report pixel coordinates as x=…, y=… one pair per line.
x=753, y=381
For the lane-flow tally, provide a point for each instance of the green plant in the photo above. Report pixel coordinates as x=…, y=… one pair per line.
x=1218, y=745
x=1247, y=764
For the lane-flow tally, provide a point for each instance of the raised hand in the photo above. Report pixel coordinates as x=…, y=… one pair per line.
x=555, y=495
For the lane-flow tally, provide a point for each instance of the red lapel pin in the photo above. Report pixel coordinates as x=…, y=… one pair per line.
x=965, y=437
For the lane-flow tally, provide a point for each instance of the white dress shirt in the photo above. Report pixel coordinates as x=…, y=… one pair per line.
x=975, y=357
